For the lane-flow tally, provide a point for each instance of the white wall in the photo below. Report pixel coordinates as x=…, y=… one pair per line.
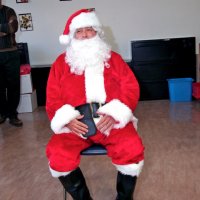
x=123, y=22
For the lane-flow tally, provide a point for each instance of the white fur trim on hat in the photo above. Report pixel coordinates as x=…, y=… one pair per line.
x=62, y=117
x=84, y=20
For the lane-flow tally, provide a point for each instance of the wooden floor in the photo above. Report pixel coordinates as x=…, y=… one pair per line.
x=171, y=135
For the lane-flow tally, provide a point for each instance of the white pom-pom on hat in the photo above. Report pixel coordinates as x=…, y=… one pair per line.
x=64, y=39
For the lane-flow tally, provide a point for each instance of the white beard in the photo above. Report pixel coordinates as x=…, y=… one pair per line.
x=81, y=54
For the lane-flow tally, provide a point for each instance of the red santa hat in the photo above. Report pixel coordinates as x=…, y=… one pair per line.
x=80, y=19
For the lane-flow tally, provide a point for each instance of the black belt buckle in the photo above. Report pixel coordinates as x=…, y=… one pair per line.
x=94, y=107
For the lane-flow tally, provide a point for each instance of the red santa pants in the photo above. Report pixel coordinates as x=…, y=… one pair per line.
x=124, y=146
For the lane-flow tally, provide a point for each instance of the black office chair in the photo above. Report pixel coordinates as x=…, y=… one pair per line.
x=95, y=149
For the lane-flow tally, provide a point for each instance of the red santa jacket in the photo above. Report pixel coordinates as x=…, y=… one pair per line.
x=115, y=84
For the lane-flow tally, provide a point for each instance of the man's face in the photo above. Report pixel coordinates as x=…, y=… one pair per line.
x=84, y=33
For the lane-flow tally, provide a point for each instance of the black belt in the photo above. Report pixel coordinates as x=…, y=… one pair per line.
x=89, y=110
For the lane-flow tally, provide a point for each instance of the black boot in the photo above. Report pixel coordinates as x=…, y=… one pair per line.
x=75, y=185
x=125, y=186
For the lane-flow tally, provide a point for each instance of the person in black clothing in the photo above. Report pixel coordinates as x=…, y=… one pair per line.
x=9, y=67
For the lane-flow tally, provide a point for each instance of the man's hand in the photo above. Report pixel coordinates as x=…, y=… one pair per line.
x=105, y=124
x=77, y=127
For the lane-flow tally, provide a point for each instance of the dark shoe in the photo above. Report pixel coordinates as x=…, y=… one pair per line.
x=16, y=122
x=2, y=119
x=75, y=185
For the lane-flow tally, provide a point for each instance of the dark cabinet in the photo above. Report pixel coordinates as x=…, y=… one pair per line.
x=154, y=61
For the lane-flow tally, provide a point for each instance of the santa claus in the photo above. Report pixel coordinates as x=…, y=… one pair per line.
x=91, y=81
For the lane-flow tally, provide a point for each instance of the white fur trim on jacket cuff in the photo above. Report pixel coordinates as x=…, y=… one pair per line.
x=62, y=117
x=131, y=169
x=120, y=112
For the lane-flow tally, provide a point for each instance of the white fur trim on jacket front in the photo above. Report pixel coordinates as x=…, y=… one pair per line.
x=120, y=112
x=131, y=169
x=95, y=92
x=62, y=117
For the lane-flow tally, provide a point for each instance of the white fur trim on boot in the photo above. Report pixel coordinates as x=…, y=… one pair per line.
x=62, y=117
x=131, y=169
x=57, y=174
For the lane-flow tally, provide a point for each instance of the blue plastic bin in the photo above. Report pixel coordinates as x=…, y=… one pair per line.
x=180, y=89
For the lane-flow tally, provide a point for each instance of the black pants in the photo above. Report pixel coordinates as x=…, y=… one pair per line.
x=9, y=83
